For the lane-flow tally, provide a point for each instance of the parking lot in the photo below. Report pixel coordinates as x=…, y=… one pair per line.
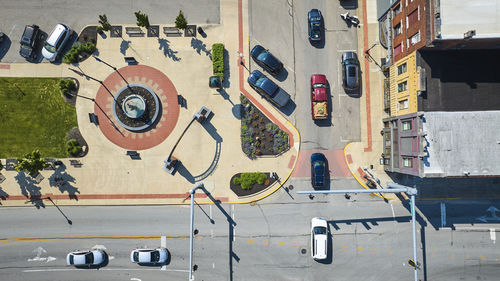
x=46, y=14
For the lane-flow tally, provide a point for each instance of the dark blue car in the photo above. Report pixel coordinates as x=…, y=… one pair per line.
x=266, y=60
x=268, y=89
x=318, y=170
x=314, y=25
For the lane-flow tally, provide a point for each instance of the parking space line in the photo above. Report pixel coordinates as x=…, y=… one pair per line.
x=343, y=51
x=163, y=242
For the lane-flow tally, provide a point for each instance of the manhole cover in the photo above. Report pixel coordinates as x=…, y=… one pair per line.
x=303, y=251
x=290, y=187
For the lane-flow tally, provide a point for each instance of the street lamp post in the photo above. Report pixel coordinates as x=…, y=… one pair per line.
x=367, y=52
x=393, y=188
x=191, y=230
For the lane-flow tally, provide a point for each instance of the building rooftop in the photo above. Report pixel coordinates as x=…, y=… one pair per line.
x=460, y=80
x=458, y=17
x=459, y=143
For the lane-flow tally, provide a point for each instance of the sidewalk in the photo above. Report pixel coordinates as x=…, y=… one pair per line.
x=363, y=158
x=209, y=154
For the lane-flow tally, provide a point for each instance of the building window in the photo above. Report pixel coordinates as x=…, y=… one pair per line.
x=396, y=10
x=403, y=104
x=397, y=50
x=402, y=68
x=397, y=29
x=415, y=38
x=407, y=162
x=412, y=18
x=403, y=86
x=406, y=125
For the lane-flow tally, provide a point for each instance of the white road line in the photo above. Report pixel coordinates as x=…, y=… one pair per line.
x=213, y=265
x=210, y=211
x=493, y=235
x=343, y=51
x=163, y=242
x=108, y=269
x=12, y=29
x=443, y=214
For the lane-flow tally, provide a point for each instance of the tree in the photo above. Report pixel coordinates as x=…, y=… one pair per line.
x=1, y=165
x=32, y=163
x=181, y=21
x=103, y=20
x=142, y=19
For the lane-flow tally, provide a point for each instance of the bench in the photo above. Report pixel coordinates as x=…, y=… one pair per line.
x=131, y=61
x=75, y=163
x=93, y=119
x=172, y=31
x=134, y=31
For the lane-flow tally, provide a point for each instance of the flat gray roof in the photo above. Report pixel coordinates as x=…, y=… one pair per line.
x=462, y=142
x=460, y=16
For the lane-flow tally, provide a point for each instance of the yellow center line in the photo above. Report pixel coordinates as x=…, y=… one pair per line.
x=295, y=244
x=344, y=248
x=58, y=238
x=452, y=256
x=467, y=256
x=250, y=240
x=281, y=243
x=389, y=252
x=360, y=249
x=483, y=258
x=374, y=250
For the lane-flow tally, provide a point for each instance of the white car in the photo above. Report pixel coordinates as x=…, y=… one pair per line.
x=94, y=257
x=55, y=41
x=151, y=256
x=319, y=238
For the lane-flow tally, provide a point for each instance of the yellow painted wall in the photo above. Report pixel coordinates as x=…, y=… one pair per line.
x=411, y=76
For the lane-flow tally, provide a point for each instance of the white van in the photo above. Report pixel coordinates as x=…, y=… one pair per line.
x=319, y=238
x=55, y=41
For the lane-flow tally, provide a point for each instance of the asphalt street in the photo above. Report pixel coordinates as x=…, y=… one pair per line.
x=370, y=240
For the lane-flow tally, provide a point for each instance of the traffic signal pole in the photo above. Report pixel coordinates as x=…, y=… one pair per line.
x=393, y=188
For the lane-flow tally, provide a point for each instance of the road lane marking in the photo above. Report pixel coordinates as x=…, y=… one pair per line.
x=163, y=242
x=250, y=240
x=360, y=249
x=374, y=250
x=344, y=248
x=493, y=235
x=295, y=244
x=59, y=238
x=483, y=258
x=467, y=256
x=265, y=242
x=443, y=214
x=452, y=256
x=281, y=243
x=101, y=269
x=389, y=252
x=198, y=238
x=433, y=254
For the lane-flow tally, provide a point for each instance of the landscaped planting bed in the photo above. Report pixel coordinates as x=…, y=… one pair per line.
x=34, y=115
x=260, y=136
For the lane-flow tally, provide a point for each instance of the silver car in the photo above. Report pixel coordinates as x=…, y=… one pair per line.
x=149, y=256
x=350, y=71
x=56, y=41
x=94, y=257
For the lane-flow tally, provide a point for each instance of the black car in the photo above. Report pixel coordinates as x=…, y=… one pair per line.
x=29, y=41
x=266, y=60
x=318, y=170
x=314, y=25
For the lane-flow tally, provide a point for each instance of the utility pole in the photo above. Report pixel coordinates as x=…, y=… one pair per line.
x=191, y=229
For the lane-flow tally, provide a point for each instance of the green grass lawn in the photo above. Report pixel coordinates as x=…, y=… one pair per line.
x=33, y=115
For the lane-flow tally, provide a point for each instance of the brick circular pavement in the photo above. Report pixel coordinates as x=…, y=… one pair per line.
x=156, y=81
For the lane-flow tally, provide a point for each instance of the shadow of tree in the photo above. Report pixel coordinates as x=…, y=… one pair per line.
x=199, y=46
x=30, y=189
x=62, y=180
x=167, y=51
x=3, y=195
x=124, y=46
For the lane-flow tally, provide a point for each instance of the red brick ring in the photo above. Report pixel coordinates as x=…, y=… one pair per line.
x=154, y=80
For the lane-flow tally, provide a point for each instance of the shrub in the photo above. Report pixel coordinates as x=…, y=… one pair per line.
x=74, y=147
x=247, y=180
x=218, y=60
x=66, y=85
x=75, y=51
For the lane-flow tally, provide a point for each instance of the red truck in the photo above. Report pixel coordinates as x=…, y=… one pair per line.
x=319, y=101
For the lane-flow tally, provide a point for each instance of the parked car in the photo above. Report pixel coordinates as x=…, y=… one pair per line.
x=350, y=71
x=268, y=89
x=319, y=100
x=1, y=36
x=318, y=170
x=319, y=238
x=94, y=257
x=266, y=60
x=56, y=41
x=149, y=256
x=29, y=41
x=314, y=25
